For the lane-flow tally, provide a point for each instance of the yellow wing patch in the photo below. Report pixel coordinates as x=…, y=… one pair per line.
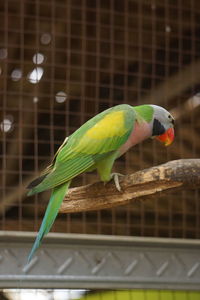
x=108, y=127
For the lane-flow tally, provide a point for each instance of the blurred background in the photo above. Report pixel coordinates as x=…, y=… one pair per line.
x=98, y=295
x=62, y=62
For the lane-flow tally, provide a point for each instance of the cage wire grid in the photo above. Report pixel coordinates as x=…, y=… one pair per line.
x=62, y=62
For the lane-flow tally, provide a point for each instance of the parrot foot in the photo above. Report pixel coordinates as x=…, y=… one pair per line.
x=115, y=177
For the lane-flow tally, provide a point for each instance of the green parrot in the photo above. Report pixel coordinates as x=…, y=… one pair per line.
x=96, y=145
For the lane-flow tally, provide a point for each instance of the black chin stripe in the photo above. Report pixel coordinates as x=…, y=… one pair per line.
x=158, y=128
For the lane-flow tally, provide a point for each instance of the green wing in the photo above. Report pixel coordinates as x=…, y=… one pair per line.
x=93, y=141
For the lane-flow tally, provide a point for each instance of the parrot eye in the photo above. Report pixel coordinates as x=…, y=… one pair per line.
x=171, y=119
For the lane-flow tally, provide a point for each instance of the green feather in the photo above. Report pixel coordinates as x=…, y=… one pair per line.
x=64, y=171
x=55, y=201
x=76, y=157
x=145, y=112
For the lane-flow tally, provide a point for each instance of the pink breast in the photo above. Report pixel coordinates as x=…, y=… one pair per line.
x=140, y=132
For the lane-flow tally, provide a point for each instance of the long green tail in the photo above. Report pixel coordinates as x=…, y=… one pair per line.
x=55, y=201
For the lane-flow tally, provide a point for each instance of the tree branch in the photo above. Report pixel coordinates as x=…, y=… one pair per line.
x=155, y=181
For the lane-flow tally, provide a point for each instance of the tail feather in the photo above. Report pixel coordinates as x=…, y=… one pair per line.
x=55, y=201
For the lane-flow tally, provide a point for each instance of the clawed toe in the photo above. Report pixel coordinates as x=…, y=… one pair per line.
x=115, y=177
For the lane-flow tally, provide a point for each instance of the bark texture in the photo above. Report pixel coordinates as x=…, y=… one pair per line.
x=155, y=181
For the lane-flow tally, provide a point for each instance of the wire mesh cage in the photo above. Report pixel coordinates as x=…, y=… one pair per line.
x=62, y=62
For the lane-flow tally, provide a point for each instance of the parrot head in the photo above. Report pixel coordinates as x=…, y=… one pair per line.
x=162, y=125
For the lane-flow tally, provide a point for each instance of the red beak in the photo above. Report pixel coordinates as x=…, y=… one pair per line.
x=167, y=137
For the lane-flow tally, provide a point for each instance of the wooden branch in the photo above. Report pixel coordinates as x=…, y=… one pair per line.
x=155, y=181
